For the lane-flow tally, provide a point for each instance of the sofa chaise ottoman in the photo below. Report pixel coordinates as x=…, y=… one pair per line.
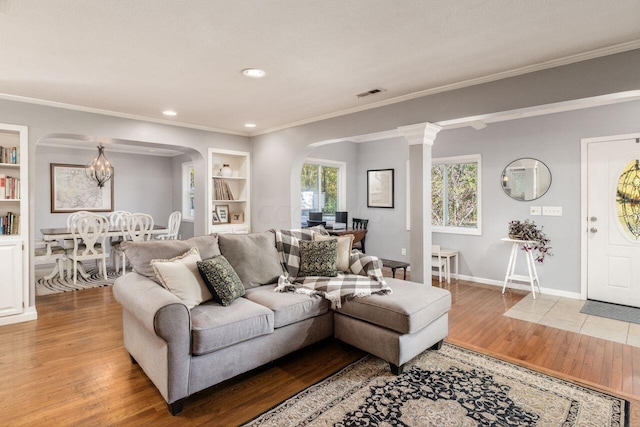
x=185, y=346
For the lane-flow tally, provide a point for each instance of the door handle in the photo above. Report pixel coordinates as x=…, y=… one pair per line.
x=593, y=230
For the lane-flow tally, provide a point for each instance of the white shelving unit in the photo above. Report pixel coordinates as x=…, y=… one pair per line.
x=14, y=248
x=239, y=183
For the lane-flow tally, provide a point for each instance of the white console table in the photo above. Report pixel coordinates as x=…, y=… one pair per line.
x=510, y=276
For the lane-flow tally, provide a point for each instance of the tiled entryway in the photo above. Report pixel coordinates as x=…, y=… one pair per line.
x=564, y=313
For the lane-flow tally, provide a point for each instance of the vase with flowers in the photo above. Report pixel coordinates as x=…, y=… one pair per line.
x=528, y=230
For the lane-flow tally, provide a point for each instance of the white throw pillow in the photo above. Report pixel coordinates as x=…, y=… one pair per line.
x=181, y=277
x=344, y=248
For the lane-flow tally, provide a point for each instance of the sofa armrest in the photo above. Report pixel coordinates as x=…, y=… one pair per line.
x=146, y=300
x=157, y=333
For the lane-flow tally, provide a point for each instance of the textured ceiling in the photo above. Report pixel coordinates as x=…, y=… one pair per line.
x=138, y=58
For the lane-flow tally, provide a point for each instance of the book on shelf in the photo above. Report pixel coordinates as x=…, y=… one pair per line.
x=222, y=190
x=10, y=224
x=9, y=187
x=10, y=155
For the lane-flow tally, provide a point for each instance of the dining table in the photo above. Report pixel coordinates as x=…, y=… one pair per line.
x=62, y=233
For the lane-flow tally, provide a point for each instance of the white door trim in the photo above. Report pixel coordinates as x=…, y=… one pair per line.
x=584, y=142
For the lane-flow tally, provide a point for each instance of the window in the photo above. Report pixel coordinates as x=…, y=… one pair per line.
x=322, y=188
x=188, y=190
x=455, y=189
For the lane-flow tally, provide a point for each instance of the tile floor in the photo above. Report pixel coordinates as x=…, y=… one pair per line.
x=564, y=313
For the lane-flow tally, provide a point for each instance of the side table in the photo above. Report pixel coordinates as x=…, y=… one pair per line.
x=532, y=276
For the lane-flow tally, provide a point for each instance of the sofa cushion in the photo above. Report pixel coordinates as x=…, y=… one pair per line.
x=287, y=307
x=207, y=245
x=318, y=258
x=140, y=254
x=253, y=256
x=410, y=307
x=214, y=327
x=343, y=250
x=221, y=279
x=181, y=277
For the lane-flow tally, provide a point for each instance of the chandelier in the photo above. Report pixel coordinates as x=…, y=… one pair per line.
x=100, y=169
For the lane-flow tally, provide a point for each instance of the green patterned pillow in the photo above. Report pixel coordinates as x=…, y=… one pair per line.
x=221, y=279
x=318, y=258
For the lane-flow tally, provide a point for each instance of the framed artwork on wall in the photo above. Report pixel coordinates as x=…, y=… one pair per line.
x=72, y=190
x=380, y=188
x=223, y=213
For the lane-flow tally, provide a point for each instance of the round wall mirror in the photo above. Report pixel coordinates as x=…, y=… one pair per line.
x=526, y=179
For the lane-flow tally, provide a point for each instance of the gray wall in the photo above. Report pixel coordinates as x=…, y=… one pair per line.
x=554, y=139
x=138, y=180
x=277, y=154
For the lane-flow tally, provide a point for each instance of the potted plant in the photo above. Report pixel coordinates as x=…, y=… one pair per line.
x=528, y=230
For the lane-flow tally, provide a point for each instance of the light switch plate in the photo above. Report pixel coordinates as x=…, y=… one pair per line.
x=552, y=210
x=535, y=210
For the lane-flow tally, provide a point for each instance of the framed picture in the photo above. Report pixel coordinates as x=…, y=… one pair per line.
x=223, y=213
x=237, y=217
x=214, y=218
x=72, y=190
x=380, y=191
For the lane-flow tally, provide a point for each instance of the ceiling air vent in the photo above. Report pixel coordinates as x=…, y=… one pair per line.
x=371, y=92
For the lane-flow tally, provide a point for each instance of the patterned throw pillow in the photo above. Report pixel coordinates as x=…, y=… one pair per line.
x=318, y=258
x=221, y=279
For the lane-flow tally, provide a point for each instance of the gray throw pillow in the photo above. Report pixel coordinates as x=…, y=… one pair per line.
x=253, y=256
x=221, y=279
x=318, y=258
x=140, y=254
x=207, y=245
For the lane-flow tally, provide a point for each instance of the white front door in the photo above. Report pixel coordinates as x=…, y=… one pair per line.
x=613, y=242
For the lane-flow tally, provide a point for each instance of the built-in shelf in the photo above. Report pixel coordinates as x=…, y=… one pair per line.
x=238, y=185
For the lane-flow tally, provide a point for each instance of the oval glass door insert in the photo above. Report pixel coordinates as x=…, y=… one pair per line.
x=628, y=199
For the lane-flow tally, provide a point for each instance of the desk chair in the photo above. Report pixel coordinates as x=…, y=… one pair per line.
x=89, y=233
x=437, y=261
x=359, y=224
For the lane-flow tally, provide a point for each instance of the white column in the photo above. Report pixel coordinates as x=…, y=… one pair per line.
x=420, y=138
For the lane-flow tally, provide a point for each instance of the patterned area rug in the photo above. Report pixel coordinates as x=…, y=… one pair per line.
x=95, y=280
x=449, y=387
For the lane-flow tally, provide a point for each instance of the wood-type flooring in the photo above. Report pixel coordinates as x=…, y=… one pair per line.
x=69, y=367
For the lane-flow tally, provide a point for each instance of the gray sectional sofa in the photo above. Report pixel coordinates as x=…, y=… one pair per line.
x=184, y=349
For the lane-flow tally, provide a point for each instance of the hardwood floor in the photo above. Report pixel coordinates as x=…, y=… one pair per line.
x=69, y=366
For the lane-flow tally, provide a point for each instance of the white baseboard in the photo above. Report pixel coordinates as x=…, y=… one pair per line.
x=28, y=314
x=520, y=286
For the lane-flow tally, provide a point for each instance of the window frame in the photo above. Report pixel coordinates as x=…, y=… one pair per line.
x=342, y=180
x=470, y=158
x=186, y=195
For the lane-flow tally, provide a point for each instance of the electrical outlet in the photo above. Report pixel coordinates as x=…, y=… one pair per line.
x=535, y=210
x=552, y=210
x=404, y=251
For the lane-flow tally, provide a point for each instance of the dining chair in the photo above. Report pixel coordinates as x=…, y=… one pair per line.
x=359, y=224
x=437, y=261
x=89, y=233
x=47, y=251
x=136, y=228
x=313, y=223
x=68, y=243
x=172, y=227
x=116, y=222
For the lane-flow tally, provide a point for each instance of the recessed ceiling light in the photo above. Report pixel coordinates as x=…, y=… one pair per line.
x=169, y=113
x=254, y=73
x=249, y=125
